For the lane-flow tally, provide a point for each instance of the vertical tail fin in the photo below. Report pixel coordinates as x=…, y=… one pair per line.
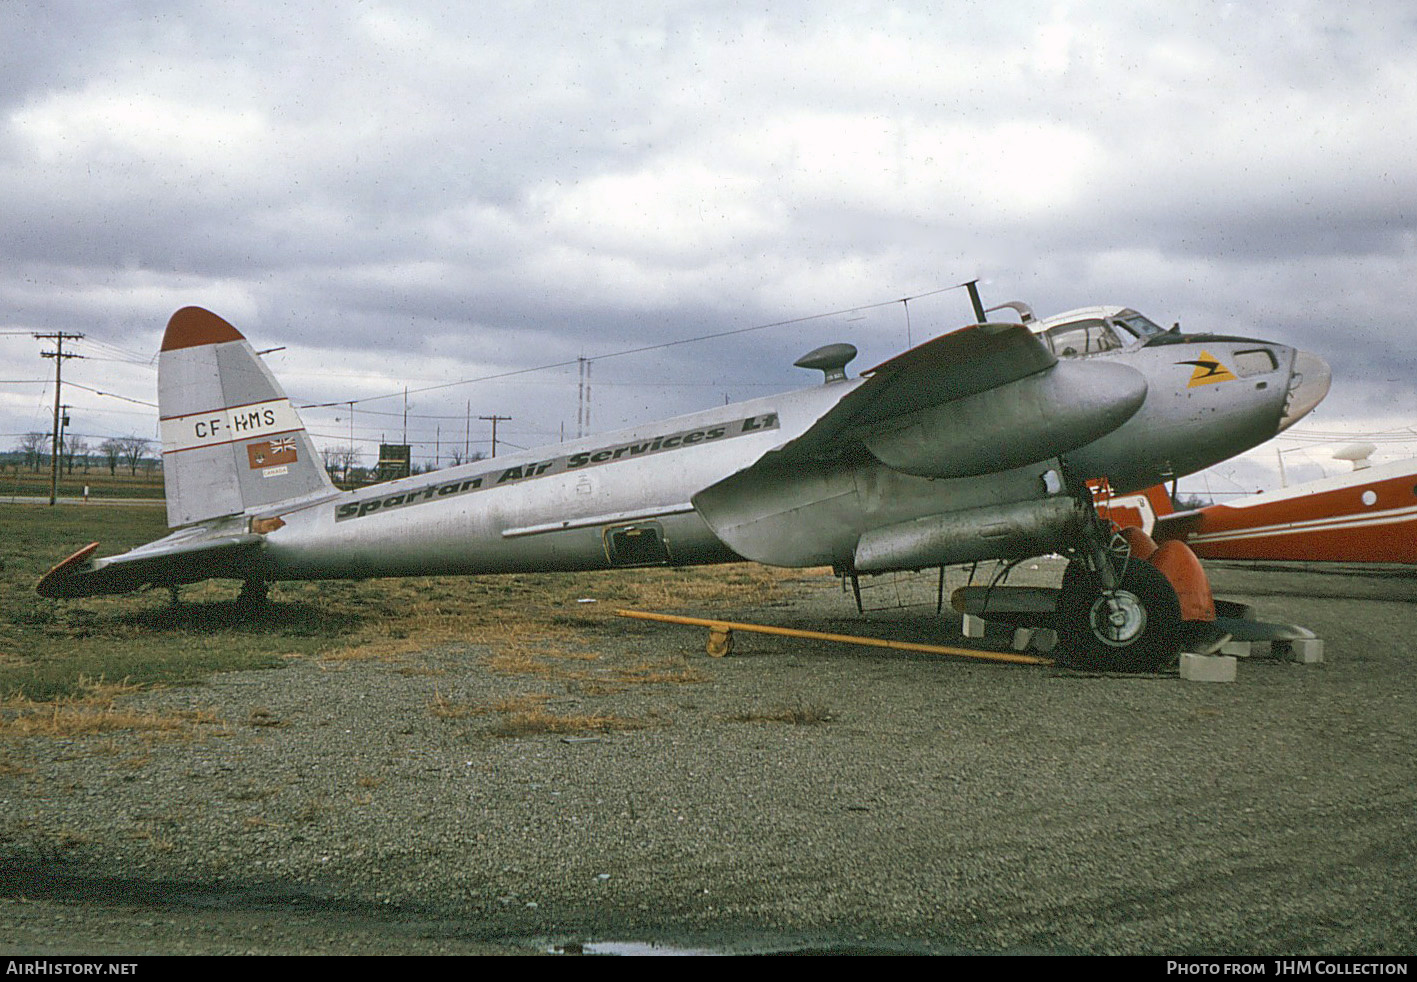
x=231, y=441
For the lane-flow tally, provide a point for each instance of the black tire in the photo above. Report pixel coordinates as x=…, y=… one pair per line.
x=1136, y=628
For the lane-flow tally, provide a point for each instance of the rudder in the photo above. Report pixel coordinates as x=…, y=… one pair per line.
x=231, y=441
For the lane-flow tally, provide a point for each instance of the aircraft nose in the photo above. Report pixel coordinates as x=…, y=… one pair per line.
x=1308, y=384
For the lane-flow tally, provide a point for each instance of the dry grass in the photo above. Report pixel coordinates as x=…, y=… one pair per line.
x=525, y=703
x=532, y=626
x=261, y=717
x=662, y=671
x=526, y=715
x=546, y=661
x=535, y=722
x=536, y=628
x=445, y=708
x=96, y=712
x=8, y=768
x=156, y=841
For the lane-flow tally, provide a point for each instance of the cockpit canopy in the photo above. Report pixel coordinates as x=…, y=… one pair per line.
x=1093, y=330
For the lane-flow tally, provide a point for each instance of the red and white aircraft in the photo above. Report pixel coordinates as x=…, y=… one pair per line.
x=1367, y=516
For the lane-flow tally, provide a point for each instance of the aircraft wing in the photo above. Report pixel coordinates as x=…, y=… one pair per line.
x=978, y=400
x=986, y=399
x=953, y=366
x=185, y=556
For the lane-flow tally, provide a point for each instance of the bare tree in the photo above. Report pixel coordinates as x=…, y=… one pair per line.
x=76, y=446
x=340, y=459
x=456, y=457
x=132, y=449
x=32, y=446
x=112, y=450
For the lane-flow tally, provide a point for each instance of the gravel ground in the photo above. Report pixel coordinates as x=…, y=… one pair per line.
x=899, y=803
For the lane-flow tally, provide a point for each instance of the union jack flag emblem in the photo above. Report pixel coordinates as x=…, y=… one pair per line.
x=272, y=453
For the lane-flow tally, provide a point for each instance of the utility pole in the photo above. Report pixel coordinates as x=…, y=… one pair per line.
x=64, y=425
x=494, y=430
x=58, y=354
x=583, y=407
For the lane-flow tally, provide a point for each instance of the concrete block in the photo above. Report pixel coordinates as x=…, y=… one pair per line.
x=1207, y=668
x=973, y=626
x=1022, y=636
x=1044, y=640
x=1305, y=651
x=1239, y=649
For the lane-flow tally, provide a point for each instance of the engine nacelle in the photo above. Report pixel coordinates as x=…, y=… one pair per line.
x=1017, y=530
x=1043, y=415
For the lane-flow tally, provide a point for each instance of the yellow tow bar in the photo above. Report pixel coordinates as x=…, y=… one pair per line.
x=720, y=641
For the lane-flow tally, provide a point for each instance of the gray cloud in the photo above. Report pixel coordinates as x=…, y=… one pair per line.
x=415, y=190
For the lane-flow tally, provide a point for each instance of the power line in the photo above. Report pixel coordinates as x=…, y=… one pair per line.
x=643, y=348
x=583, y=361
x=111, y=395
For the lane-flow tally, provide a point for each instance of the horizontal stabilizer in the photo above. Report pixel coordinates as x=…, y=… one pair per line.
x=186, y=556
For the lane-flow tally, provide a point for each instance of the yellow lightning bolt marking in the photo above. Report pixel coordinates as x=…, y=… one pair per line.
x=1208, y=370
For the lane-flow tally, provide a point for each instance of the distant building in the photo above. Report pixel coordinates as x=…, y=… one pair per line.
x=395, y=461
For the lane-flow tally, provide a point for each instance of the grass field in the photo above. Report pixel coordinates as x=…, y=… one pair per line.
x=55, y=651
x=101, y=484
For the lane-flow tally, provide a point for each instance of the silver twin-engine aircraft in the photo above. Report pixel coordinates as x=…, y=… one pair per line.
x=975, y=445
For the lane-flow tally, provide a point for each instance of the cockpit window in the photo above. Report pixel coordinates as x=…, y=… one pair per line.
x=1081, y=338
x=1138, y=325
x=1254, y=361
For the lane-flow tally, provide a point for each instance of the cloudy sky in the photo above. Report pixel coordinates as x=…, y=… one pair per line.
x=405, y=194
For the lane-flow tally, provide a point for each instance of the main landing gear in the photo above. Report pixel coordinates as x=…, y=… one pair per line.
x=1124, y=618
x=1116, y=611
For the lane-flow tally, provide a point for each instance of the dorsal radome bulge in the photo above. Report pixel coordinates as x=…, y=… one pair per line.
x=830, y=359
x=194, y=326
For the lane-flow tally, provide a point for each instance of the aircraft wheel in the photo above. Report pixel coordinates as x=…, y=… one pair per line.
x=1135, y=628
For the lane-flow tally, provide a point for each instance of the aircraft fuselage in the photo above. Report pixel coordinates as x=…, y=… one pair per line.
x=628, y=498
